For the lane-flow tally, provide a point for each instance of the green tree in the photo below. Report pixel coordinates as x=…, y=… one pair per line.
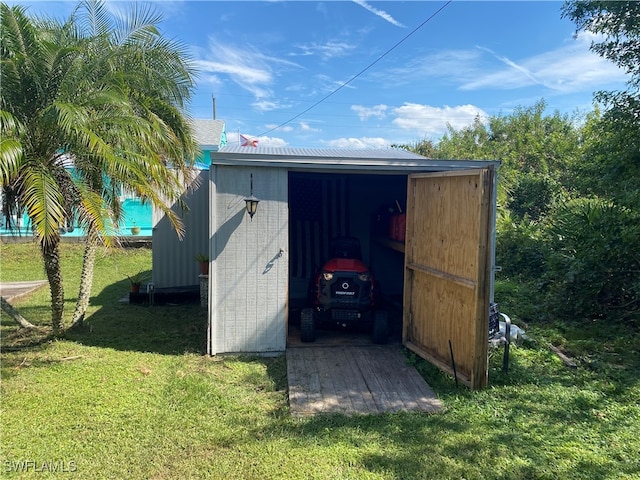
x=469, y=142
x=530, y=141
x=612, y=162
x=610, y=165
x=88, y=105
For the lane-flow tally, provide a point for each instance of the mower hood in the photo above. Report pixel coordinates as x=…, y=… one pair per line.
x=345, y=265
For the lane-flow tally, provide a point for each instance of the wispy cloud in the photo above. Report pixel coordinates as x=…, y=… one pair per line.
x=305, y=127
x=428, y=121
x=517, y=68
x=365, y=113
x=570, y=68
x=359, y=143
x=246, y=66
x=269, y=105
x=455, y=66
x=380, y=13
x=326, y=51
x=286, y=128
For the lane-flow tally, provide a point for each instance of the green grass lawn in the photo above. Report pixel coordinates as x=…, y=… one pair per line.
x=130, y=395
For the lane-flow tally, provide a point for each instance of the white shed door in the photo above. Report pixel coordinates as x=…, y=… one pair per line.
x=248, y=279
x=448, y=270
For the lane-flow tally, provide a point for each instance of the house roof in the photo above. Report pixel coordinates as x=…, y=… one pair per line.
x=391, y=159
x=208, y=133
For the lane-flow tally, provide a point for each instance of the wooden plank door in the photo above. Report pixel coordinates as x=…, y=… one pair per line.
x=448, y=270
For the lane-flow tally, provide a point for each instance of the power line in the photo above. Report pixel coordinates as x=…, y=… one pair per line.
x=361, y=71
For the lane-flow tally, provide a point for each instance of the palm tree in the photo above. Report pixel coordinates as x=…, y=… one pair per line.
x=101, y=96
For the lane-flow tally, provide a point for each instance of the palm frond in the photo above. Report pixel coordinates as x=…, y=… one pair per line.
x=93, y=213
x=44, y=203
x=10, y=159
x=139, y=25
x=92, y=17
x=10, y=148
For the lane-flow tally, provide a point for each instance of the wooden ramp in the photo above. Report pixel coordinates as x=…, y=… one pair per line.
x=355, y=380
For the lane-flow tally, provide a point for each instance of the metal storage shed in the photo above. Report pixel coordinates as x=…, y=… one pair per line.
x=259, y=266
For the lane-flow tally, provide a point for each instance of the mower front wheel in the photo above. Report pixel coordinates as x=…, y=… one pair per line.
x=380, y=333
x=307, y=325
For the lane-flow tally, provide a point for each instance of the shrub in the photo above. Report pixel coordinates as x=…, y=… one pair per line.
x=594, y=266
x=521, y=249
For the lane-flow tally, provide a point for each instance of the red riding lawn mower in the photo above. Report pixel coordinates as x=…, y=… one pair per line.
x=344, y=293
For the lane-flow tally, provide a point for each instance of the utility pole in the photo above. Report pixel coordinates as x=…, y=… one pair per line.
x=214, y=106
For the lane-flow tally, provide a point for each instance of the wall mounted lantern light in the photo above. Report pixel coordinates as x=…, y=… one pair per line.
x=251, y=202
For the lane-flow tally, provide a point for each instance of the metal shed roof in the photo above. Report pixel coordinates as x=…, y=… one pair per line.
x=384, y=160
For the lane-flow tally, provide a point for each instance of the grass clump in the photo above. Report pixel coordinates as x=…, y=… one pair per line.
x=131, y=395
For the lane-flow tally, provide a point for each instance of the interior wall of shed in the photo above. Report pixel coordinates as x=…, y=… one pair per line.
x=323, y=206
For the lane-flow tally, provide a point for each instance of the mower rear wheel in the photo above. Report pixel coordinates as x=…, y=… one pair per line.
x=380, y=333
x=307, y=325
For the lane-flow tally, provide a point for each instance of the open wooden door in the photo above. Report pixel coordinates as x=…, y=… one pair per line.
x=448, y=269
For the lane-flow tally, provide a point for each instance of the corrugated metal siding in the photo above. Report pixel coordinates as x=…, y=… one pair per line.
x=319, y=212
x=173, y=259
x=250, y=263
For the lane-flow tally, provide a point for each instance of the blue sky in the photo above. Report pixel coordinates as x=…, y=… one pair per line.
x=368, y=74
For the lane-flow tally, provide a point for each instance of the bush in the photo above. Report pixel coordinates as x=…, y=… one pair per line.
x=533, y=196
x=594, y=266
x=521, y=250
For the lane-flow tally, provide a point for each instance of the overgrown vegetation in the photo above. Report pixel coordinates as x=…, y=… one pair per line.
x=130, y=395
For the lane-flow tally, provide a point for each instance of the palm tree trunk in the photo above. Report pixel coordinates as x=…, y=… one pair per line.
x=51, y=256
x=15, y=314
x=86, y=281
